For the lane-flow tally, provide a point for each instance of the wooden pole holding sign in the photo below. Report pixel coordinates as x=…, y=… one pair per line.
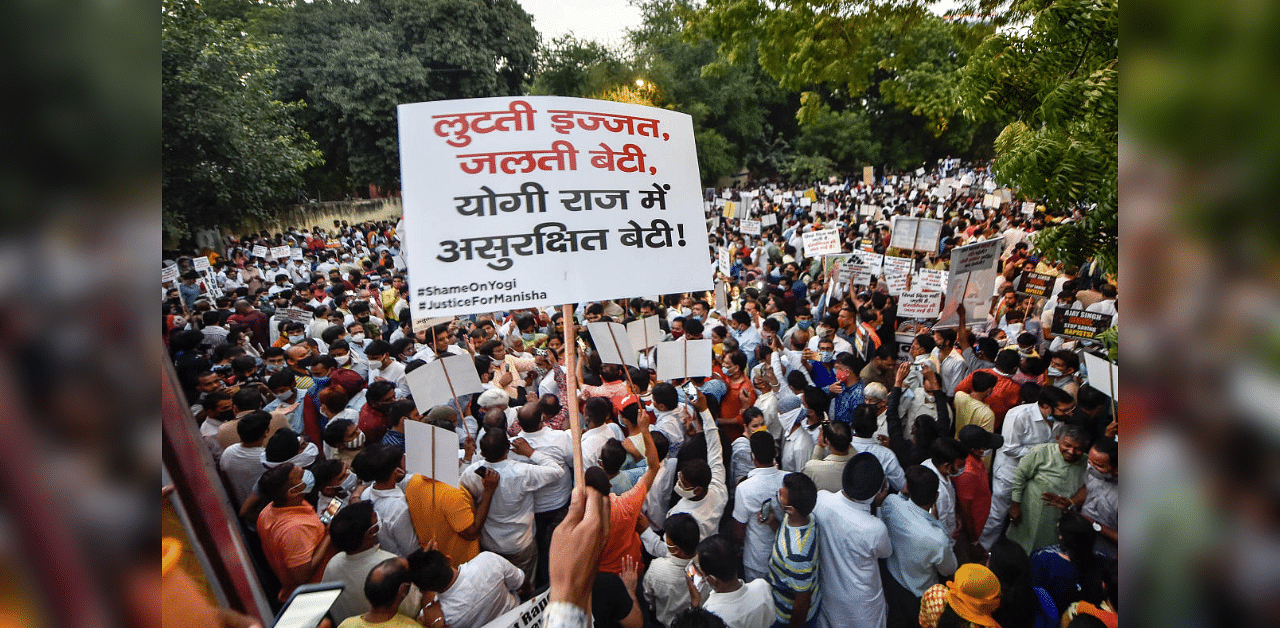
x=571, y=383
x=461, y=412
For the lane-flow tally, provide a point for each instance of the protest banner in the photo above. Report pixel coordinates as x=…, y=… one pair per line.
x=919, y=172
x=279, y=252
x=200, y=263
x=443, y=380
x=978, y=214
x=919, y=304
x=730, y=210
x=295, y=254
x=431, y=451
x=1079, y=323
x=721, y=299
x=868, y=209
x=915, y=234
x=806, y=201
x=931, y=280
x=612, y=343
x=821, y=242
x=723, y=262
x=531, y=614
x=864, y=265
x=682, y=359
x=1103, y=375
x=1034, y=284
x=974, y=289
x=169, y=274
x=976, y=256
x=831, y=263
x=1029, y=208
x=528, y=201
x=749, y=227
x=296, y=315
x=768, y=220
x=260, y=251
x=644, y=332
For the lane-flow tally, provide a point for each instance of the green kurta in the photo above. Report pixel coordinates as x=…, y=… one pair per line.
x=1042, y=470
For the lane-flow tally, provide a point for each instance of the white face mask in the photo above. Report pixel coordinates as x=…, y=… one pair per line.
x=1053, y=372
x=285, y=396
x=357, y=338
x=343, y=360
x=296, y=339
x=684, y=492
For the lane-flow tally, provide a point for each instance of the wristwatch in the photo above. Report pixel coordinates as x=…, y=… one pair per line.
x=1097, y=527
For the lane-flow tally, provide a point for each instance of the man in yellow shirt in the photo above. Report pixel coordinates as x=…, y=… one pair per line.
x=972, y=409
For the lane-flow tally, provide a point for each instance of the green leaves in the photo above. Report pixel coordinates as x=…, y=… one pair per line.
x=231, y=150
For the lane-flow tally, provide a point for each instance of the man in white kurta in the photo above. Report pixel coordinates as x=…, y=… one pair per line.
x=851, y=543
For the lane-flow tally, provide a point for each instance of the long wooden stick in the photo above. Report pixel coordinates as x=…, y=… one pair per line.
x=571, y=382
x=461, y=413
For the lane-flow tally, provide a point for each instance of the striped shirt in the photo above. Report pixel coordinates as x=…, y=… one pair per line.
x=793, y=569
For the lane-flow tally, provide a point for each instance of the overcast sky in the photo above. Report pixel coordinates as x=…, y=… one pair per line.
x=599, y=20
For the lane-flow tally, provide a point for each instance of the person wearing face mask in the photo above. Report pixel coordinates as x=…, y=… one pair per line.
x=827, y=330
x=273, y=361
x=342, y=440
x=1062, y=371
x=346, y=359
x=295, y=542
x=1024, y=427
x=1098, y=500
x=241, y=462
x=973, y=490
x=700, y=483
x=355, y=535
x=361, y=313
x=820, y=364
x=382, y=364
x=383, y=465
x=848, y=571
x=947, y=461
x=1043, y=476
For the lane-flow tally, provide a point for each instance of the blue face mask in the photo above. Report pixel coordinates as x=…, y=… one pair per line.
x=804, y=324
x=320, y=381
x=696, y=318
x=828, y=356
x=309, y=480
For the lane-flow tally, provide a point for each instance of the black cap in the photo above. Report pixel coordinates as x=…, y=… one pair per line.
x=863, y=476
x=975, y=437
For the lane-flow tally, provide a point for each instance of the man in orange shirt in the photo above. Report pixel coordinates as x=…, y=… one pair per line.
x=445, y=514
x=624, y=509
x=295, y=542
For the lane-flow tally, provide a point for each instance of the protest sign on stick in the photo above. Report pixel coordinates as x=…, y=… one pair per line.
x=721, y=299
x=749, y=227
x=644, y=332
x=723, y=262
x=978, y=256
x=519, y=202
x=768, y=220
x=932, y=280
x=260, y=251
x=682, y=359
x=431, y=451
x=279, y=252
x=919, y=304
x=169, y=274
x=1102, y=375
x=442, y=380
x=821, y=242
x=868, y=175
x=915, y=234
x=612, y=343
x=1034, y=284
x=1079, y=323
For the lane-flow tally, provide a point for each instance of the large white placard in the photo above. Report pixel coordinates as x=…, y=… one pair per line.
x=915, y=234
x=612, y=343
x=260, y=251
x=441, y=380
x=431, y=451
x=644, y=332
x=723, y=262
x=1103, y=375
x=975, y=289
x=749, y=227
x=919, y=304
x=200, y=263
x=768, y=220
x=684, y=358
x=976, y=256
x=821, y=242
x=530, y=201
x=280, y=252
x=931, y=280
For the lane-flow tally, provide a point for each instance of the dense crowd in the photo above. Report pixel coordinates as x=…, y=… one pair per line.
x=821, y=475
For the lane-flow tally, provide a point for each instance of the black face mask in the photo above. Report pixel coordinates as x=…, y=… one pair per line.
x=225, y=416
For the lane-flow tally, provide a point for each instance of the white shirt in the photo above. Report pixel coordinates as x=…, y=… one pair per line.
x=243, y=466
x=946, y=505
x=395, y=528
x=1106, y=306
x=656, y=500
x=593, y=441
x=751, y=606
x=708, y=511
x=352, y=570
x=921, y=549
x=509, y=527
x=1024, y=427
x=558, y=444
x=670, y=424
x=888, y=460
x=393, y=372
x=797, y=445
x=483, y=590
x=768, y=404
x=850, y=544
x=762, y=484
x=838, y=344
x=665, y=587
